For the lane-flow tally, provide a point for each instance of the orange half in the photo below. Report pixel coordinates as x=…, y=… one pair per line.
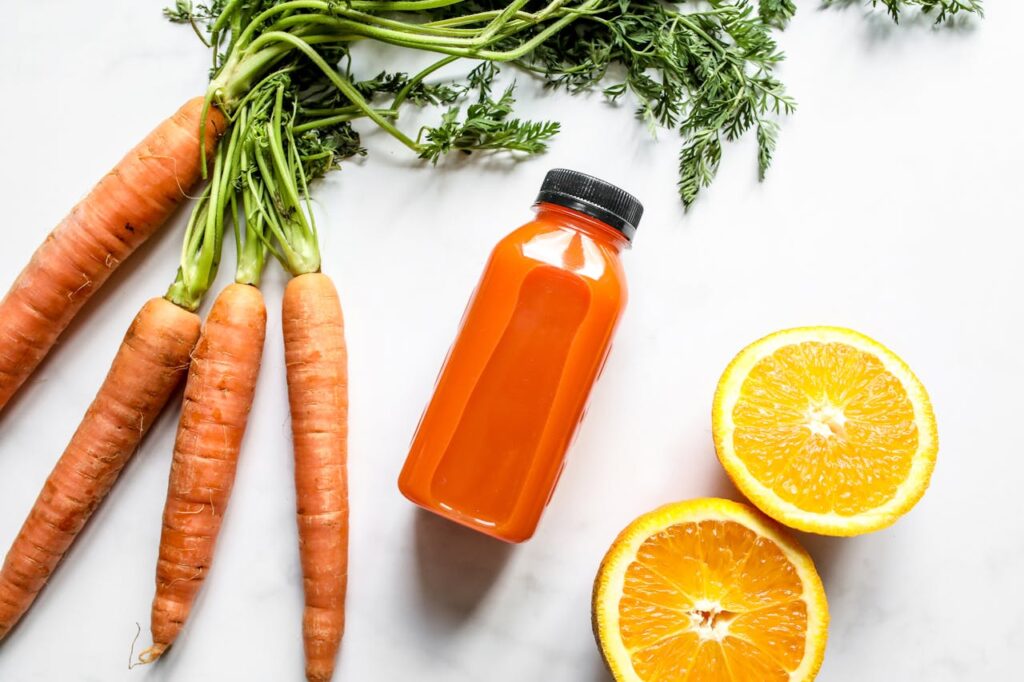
x=826, y=430
x=709, y=590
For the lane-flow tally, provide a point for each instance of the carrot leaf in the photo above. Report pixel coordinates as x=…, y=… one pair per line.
x=705, y=70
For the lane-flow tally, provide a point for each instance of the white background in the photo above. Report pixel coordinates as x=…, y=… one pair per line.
x=894, y=207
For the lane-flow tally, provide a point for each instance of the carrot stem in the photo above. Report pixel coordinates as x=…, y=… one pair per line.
x=204, y=234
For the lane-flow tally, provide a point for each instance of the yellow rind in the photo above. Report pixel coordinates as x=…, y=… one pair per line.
x=907, y=495
x=608, y=586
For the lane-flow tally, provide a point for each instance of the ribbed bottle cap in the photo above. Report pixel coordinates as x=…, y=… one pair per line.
x=593, y=197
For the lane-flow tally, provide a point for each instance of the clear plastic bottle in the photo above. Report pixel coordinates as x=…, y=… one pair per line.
x=492, y=442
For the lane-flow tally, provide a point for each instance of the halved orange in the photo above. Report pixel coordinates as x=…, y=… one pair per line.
x=709, y=590
x=825, y=430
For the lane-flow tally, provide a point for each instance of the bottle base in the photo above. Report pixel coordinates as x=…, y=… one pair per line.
x=504, y=534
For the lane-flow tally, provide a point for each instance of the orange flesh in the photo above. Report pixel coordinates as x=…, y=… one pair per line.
x=712, y=600
x=492, y=442
x=826, y=427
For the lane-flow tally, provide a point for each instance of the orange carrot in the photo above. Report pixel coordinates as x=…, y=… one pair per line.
x=315, y=354
x=218, y=397
x=127, y=206
x=148, y=367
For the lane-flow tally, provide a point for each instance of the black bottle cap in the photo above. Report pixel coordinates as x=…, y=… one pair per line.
x=593, y=197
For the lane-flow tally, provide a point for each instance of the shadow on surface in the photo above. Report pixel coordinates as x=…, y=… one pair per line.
x=596, y=670
x=722, y=486
x=827, y=553
x=457, y=567
x=880, y=26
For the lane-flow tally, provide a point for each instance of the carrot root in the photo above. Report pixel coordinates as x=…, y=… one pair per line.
x=123, y=210
x=152, y=654
x=148, y=367
x=218, y=397
x=315, y=354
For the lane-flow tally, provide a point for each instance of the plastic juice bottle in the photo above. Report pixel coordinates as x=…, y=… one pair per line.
x=491, y=444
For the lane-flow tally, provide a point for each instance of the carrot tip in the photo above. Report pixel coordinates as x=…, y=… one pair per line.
x=151, y=654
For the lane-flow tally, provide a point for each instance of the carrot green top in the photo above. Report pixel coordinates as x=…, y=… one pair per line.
x=707, y=72
x=285, y=71
x=274, y=187
x=204, y=236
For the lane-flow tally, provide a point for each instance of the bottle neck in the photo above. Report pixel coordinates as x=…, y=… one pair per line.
x=582, y=222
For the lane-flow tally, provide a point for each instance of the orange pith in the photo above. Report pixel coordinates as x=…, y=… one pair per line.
x=713, y=601
x=826, y=427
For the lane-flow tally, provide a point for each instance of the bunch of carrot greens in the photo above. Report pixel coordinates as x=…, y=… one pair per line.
x=278, y=114
x=706, y=72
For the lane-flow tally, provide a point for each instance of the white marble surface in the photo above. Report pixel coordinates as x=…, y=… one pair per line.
x=894, y=207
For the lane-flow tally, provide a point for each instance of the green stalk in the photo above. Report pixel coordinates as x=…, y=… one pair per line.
x=204, y=235
x=362, y=19
x=289, y=192
x=403, y=6
x=259, y=175
x=281, y=205
x=342, y=83
x=457, y=47
x=262, y=180
x=417, y=79
x=474, y=19
x=499, y=21
x=383, y=33
x=349, y=114
x=238, y=75
x=250, y=242
x=278, y=31
x=264, y=198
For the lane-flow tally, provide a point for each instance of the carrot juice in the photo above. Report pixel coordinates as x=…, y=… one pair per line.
x=492, y=442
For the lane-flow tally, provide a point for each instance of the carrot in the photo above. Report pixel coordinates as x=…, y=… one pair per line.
x=152, y=359
x=315, y=355
x=148, y=367
x=218, y=397
x=316, y=359
x=127, y=206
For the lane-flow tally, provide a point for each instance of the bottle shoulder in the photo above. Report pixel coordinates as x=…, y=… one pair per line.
x=590, y=256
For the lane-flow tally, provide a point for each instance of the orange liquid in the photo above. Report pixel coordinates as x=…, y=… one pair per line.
x=492, y=442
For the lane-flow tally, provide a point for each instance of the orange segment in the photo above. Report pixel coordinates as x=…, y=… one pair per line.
x=749, y=663
x=766, y=578
x=779, y=629
x=668, y=660
x=825, y=430
x=844, y=425
x=709, y=590
x=675, y=555
x=710, y=663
